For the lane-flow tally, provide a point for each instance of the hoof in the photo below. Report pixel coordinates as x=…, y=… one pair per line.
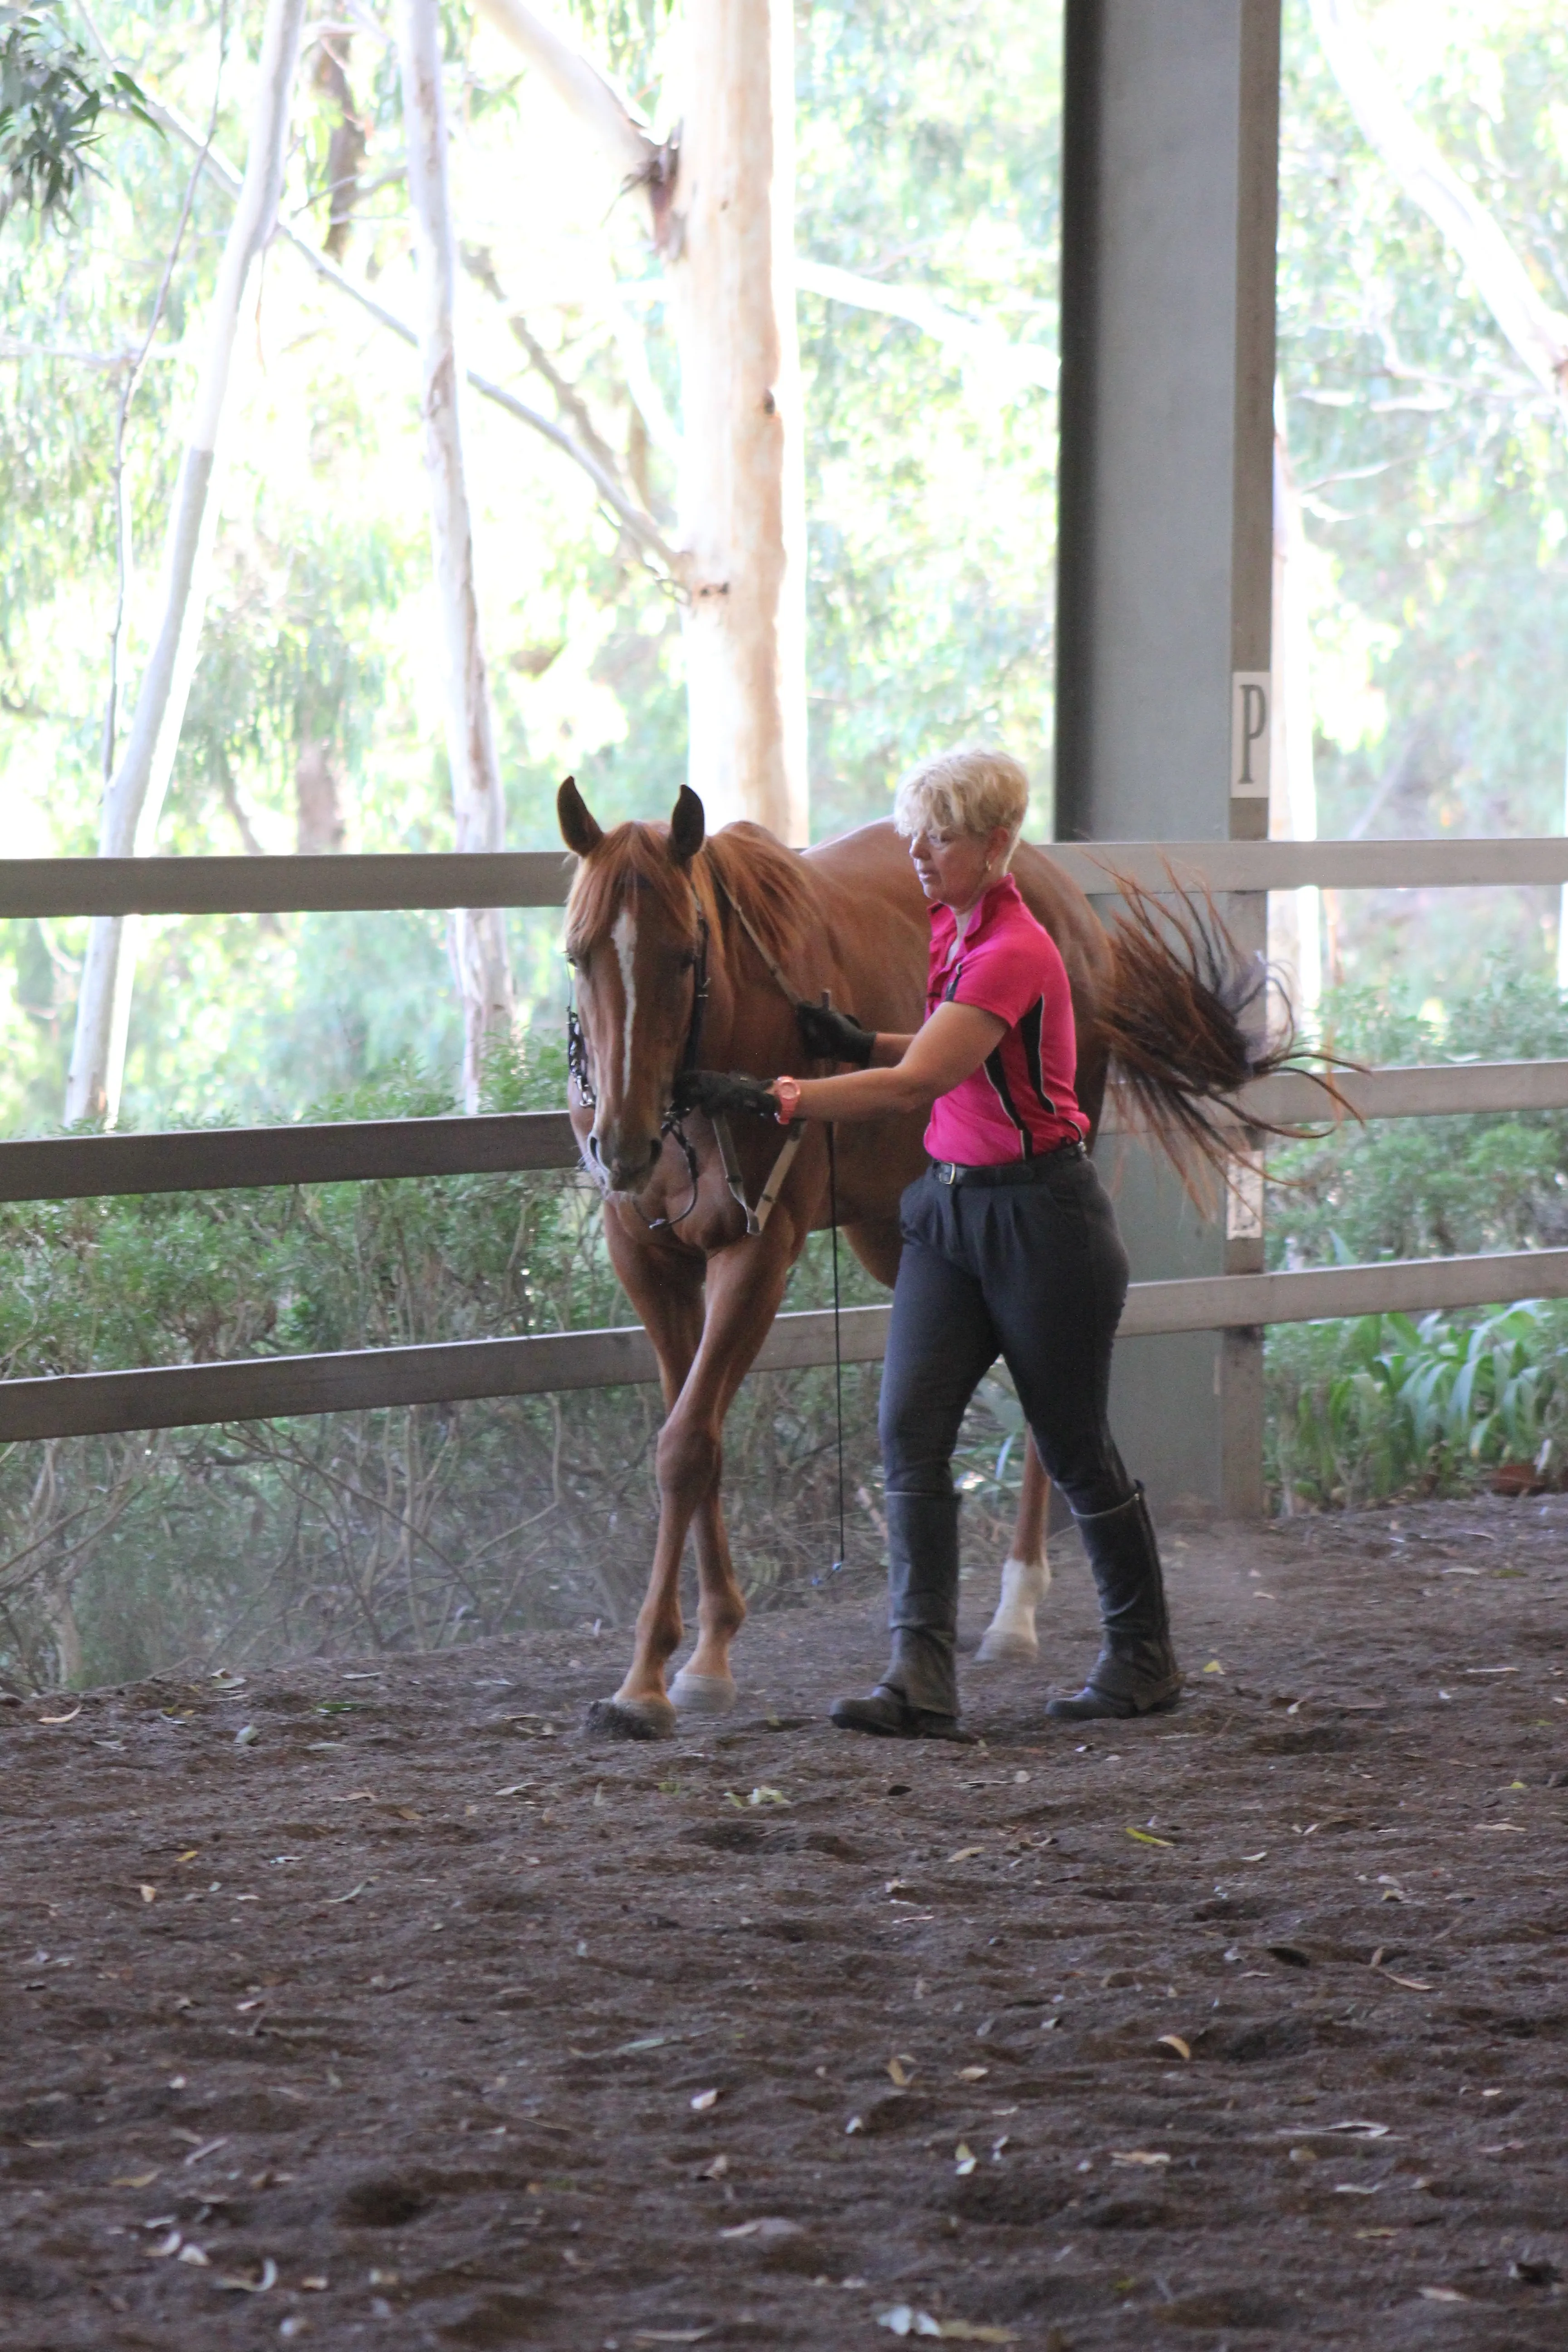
x=702, y=1694
x=632, y=1718
x=1001, y=1649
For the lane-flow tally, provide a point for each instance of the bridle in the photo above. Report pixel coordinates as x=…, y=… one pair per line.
x=672, y=1123
x=577, y=1066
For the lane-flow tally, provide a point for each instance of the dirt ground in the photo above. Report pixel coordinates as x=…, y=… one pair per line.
x=382, y=2005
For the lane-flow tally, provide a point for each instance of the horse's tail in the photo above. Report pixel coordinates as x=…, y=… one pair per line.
x=1191, y=1020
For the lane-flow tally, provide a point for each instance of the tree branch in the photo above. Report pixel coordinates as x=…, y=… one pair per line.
x=1536, y=332
x=974, y=341
x=642, y=527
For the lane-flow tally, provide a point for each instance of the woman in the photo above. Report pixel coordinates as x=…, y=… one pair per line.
x=1010, y=1249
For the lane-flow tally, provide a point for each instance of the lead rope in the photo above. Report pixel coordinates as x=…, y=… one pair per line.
x=838, y=1565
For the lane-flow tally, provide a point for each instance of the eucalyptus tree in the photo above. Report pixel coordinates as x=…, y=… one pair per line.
x=478, y=934
x=134, y=796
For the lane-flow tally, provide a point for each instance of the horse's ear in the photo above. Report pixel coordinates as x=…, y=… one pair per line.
x=578, y=829
x=687, y=827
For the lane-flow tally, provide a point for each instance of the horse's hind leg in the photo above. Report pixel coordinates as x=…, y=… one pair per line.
x=1025, y=1573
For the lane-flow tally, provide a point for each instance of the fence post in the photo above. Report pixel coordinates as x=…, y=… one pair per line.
x=1251, y=634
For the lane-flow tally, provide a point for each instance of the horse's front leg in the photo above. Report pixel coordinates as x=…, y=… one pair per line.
x=1025, y=1573
x=746, y=1286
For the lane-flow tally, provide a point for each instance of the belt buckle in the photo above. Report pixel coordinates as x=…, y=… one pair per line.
x=947, y=1172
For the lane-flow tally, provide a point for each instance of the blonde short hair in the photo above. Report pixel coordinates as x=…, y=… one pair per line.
x=970, y=790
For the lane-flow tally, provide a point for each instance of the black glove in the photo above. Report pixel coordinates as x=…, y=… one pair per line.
x=716, y=1090
x=833, y=1037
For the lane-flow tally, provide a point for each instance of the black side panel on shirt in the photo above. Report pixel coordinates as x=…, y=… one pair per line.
x=1004, y=1094
x=1029, y=1036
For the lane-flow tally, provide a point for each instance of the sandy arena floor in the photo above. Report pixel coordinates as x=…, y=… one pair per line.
x=380, y=2006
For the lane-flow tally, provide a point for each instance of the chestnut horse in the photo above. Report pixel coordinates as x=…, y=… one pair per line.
x=688, y=950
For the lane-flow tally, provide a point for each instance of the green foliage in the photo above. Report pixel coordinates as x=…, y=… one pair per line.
x=1433, y=471
x=382, y=1529
x=52, y=94
x=1431, y=1187
x=1382, y=1406
x=1363, y=1410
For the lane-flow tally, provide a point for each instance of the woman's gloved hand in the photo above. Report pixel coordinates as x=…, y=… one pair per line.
x=718, y=1090
x=833, y=1037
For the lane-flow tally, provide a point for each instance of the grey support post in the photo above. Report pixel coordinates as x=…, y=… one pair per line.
x=1165, y=486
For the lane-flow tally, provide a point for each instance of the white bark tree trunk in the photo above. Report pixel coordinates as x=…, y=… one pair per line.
x=478, y=934
x=134, y=800
x=743, y=476
x=1295, y=930
x=727, y=234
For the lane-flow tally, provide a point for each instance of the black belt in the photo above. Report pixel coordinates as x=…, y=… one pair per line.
x=1010, y=1171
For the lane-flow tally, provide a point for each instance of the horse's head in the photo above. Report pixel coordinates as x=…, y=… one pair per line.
x=635, y=935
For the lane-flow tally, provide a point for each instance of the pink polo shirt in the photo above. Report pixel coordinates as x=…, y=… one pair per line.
x=1020, y=1102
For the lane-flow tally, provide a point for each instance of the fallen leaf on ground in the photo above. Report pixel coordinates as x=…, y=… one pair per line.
x=973, y=2073
x=135, y=2181
x=1138, y=2156
x=965, y=2159
x=1214, y=1667
x=1411, y=1984
x=902, y=2067
x=966, y=1853
x=1175, y=2041
x=62, y=1719
x=171, y=2245
x=193, y=2255
x=233, y=2283
x=149, y=1894
x=359, y=1796
x=1442, y=2293
x=905, y=2320
x=768, y=2227
x=352, y=1896
x=1145, y=1838
x=1262, y=1856
x=702, y=2101
x=766, y=1796
x=671, y=2334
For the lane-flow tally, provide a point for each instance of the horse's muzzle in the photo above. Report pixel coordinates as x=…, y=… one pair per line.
x=627, y=1161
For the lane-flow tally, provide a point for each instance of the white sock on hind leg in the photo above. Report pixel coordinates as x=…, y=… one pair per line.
x=1011, y=1633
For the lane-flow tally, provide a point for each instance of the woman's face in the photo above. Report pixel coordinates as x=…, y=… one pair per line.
x=955, y=869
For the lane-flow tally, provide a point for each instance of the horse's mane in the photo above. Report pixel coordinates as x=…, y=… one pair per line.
x=764, y=880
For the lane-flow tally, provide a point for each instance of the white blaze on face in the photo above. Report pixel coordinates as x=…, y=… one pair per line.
x=624, y=935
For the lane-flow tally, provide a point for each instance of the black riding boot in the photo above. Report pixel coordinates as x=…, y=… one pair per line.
x=1136, y=1672
x=917, y=1699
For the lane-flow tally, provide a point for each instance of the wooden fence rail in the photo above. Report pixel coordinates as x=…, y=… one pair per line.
x=168, y=1396
x=80, y=1404
x=280, y=885
x=211, y=1159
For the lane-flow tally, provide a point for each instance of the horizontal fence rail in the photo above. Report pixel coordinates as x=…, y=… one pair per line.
x=172, y=1396
x=83, y=1404
x=212, y=1160
x=407, y=881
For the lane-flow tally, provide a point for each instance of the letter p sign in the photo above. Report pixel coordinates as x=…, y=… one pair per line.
x=1250, y=690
